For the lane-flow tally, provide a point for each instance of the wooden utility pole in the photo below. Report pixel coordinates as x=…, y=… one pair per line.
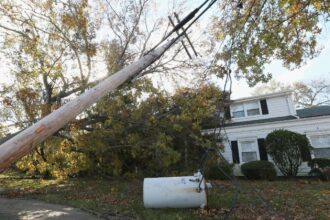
x=21, y=144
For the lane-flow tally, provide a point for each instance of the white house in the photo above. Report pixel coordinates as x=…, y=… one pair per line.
x=253, y=118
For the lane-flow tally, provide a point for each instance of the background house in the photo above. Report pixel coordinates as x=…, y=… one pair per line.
x=253, y=118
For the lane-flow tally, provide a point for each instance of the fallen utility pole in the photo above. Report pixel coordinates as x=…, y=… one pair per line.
x=25, y=141
x=21, y=144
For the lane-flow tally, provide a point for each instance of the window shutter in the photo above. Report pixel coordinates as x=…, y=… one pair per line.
x=262, y=149
x=234, y=150
x=227, y=112
x=264, y=107
x=305, y=156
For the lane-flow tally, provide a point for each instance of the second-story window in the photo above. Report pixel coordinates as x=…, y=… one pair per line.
x=245, y=109
x=252, y=108
x=238, y=111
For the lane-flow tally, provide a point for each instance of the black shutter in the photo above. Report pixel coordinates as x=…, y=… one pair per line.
x=305, y=156
x=262, y=149
x=234, y=150
x=227, y=112
x=264, y=107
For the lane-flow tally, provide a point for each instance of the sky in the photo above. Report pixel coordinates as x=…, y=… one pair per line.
x=313, y=69
x=317, y=68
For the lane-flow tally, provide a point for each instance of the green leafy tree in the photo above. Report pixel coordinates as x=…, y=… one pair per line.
x=157, y=135
x=288, y=149
x=253, y=33
x=305, y=94
x=42, y=40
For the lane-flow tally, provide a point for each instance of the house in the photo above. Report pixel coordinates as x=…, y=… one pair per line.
x=253, y=118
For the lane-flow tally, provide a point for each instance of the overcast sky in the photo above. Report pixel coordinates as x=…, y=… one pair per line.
x=313, y=69
x=316, y=68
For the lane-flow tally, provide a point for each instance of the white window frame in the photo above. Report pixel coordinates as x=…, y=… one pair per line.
x=232, y=112
x=254, y=102
x=240, y=150
x=244, y=104
x=310, y=136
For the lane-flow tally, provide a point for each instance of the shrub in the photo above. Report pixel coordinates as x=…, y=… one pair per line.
x=326, y=172
x=263, y=170
x=316, y=172
x=319, y=163
x=288, y=149
x=320, y=168
x=219, y=172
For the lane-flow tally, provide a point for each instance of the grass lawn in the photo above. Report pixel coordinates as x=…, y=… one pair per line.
x=290, y=199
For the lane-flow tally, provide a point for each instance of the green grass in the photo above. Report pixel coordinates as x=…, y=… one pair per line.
x=299, y=199
x=14, y=180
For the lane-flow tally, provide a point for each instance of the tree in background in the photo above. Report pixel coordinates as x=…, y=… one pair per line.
x=288, y=150
x=253, y=33
x=272, y=86
x=312, y=93
x=305, y=94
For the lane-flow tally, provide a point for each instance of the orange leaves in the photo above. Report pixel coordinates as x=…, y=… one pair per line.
x=77, y=19
x=7, y=101
x=69, y=21
x=26, y=94
x=296, y=7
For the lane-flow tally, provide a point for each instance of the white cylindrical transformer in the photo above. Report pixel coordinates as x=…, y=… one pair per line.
x=175, y=192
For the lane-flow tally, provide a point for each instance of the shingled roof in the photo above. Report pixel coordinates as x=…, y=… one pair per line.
x=313, y=111
x=301, y=113
x=259, y=121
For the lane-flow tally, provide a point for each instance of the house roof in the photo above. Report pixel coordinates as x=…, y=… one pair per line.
x=313, y=111
x=259, y=121
x=250, y=98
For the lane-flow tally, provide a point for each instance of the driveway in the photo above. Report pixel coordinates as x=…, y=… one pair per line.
x=21, y=209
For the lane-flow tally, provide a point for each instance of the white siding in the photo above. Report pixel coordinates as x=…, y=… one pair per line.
x=308, y=126
x=227, y=152
x=291, y=105
x=277, y=107
x=305, y=126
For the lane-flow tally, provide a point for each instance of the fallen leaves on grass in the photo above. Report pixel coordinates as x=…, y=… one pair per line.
x=287, y=199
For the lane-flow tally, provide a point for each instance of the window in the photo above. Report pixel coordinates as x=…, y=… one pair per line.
x=252, y=108
x=238, y=111
x=249, y=151
x=321, y=145
x=246, y=109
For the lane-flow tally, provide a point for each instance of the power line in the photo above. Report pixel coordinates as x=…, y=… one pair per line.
x=183, y=22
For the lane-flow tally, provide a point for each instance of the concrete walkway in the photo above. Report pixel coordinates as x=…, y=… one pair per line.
x=21, y=209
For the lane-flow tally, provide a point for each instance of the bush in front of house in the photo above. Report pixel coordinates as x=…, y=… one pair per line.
x=221, y=171
x=320, y=167
x=288, y=150
x=259, y=170
x=319, y=163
